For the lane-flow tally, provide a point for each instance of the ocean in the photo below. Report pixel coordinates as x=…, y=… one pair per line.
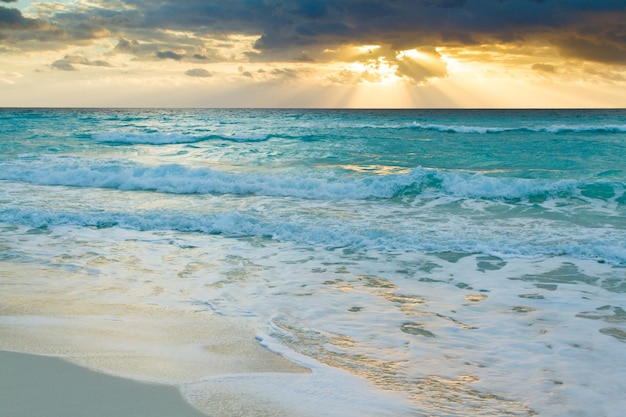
x=411, y=262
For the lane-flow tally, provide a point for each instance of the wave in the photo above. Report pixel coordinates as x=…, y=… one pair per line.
x=541, y=129
x=321, y=185
x=490, y=238
x=160, y=138
x=178, y=179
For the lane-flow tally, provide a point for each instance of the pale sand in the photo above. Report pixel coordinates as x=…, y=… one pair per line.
x=105, y=329
x=44, y=386
x=138, y=329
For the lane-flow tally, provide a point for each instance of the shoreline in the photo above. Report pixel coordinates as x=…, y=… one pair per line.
x=34, y=385
x=207, y=363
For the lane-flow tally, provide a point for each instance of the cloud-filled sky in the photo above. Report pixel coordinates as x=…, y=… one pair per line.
x=313, y=53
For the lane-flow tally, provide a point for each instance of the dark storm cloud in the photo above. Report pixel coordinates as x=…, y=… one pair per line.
x=404, y=24
x=589, y=30
x=13, y=19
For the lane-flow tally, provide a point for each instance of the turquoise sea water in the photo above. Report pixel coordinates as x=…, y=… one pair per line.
x=462, y=259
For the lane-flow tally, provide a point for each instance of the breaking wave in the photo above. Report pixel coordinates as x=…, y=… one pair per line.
x=493, y=239
x=322, y=185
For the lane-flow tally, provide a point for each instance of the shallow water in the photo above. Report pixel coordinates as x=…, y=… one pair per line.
x=452, y=262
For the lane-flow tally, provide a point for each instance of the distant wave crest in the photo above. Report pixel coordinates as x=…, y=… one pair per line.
x=160, y=138
x=495, y=129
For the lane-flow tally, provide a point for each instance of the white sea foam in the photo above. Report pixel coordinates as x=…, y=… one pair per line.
x=508, y=238
x=452, y=335
x=334, y=392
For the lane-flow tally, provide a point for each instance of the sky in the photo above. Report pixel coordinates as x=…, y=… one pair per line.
x=313, y=53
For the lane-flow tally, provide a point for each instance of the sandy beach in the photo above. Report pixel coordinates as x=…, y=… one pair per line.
x=33, y=385
x=89, y=356
x=90, y=359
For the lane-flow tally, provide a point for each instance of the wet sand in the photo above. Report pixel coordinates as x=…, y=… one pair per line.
x=33, y=385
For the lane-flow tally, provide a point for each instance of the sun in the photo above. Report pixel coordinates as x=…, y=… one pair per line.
x=375, y=71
